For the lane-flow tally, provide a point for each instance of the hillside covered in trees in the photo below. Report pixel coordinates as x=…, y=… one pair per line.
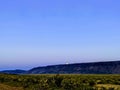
x=111, y=67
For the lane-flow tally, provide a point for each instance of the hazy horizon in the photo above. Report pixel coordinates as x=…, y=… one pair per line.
x=40, y=33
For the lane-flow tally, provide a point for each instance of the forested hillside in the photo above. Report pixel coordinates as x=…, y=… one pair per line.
x=111, y=67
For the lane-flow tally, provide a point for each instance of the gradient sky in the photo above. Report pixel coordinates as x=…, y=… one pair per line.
x=44, y=32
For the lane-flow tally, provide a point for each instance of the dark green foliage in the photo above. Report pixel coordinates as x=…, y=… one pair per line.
x=60, y=82
x=92, y=83
x=58, y=79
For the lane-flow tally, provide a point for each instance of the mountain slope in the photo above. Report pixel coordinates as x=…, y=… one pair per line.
x=111, y=67
x=13, y=71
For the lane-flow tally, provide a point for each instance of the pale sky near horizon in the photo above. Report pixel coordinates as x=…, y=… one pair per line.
x=45, y=32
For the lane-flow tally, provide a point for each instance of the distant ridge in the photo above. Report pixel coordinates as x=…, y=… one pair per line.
x=108, y=67
x=105, y=67
x=14, y=71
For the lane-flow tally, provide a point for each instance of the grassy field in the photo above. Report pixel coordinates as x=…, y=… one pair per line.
x=108, y=86
x=7, y=87
x=60, y=82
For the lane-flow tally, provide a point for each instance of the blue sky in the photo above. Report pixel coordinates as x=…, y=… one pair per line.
x=44, y=32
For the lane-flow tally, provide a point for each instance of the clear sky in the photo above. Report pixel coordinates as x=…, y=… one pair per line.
x=44, y=32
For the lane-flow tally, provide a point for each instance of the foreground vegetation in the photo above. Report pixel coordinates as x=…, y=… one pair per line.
x=59, y=82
